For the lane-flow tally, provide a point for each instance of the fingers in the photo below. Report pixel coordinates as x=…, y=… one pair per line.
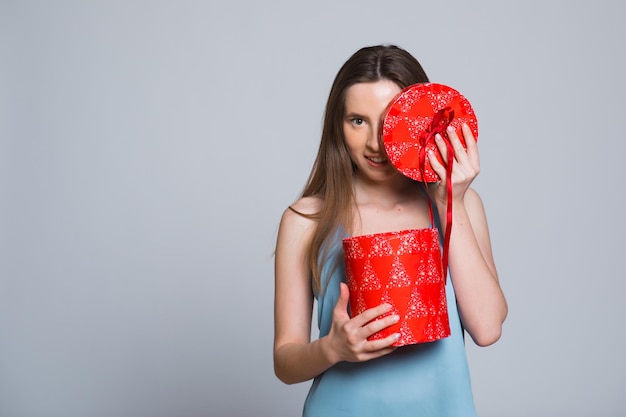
x=378, y=348
x=457, y=145
x=468, y=136
x=453, y=145
x=471, y=147
x=370, y=314
x=363, y=348
x=465, y=155
x=341, y=307
x=370, y=322
x=350, y=335
x=377, y=325
x=437, y=166
x=367, y=319
x=384, y=344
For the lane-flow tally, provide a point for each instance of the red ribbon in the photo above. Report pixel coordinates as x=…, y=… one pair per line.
x=438, y=125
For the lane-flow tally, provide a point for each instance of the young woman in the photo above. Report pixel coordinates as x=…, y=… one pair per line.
x=354, y=190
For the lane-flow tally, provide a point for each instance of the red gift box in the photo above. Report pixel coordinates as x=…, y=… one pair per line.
x=403, y=269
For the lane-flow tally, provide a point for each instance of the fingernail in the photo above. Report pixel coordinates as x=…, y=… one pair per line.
x=395, y=318
x=438, y=137
x=396, y=336
x=450, y=129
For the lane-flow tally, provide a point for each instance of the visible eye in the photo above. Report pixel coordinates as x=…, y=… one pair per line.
x=357, y=121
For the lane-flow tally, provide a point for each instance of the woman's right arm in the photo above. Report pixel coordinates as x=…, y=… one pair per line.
x=296, y=358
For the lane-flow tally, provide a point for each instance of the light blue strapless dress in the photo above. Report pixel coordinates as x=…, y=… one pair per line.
x=423, y=380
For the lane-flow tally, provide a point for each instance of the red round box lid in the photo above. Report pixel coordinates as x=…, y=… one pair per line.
x=411, y=119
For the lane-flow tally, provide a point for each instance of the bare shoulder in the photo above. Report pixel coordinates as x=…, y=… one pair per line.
x=297, y=227
x=300, y=216
x=308, y=206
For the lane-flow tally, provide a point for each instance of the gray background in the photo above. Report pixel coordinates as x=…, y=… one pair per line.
x=148, y=149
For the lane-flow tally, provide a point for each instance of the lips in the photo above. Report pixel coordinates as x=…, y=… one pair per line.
x=376, y=160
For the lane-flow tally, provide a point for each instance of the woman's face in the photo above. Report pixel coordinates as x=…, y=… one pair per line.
x=365, y=105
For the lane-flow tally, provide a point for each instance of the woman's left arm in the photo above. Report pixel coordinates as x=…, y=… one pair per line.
x=480, y=299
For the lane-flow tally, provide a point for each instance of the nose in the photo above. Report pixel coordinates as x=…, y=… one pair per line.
x=373, y=140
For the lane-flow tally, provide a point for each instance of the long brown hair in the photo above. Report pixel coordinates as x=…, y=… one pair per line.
x=331, y=178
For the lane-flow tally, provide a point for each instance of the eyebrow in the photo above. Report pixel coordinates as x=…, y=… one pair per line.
x=353, y=115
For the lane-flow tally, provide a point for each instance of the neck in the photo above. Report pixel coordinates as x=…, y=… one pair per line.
x=386, y=195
